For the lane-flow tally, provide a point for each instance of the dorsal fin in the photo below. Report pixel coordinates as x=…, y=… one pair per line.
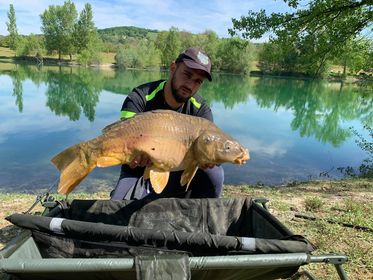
x=110, y=126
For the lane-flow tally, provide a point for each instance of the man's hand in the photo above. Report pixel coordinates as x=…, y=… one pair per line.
x=206, y=165
x=140, y=160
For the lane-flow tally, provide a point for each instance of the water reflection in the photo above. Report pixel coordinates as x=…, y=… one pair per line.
x=229, y=90
x=123, y=82
x=18, y=91
x=70, y=93
x=319, y=109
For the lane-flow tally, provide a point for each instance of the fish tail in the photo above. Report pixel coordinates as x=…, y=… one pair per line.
x=75, y=164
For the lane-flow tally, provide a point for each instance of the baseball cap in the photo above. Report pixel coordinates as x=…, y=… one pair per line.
x=196, y=59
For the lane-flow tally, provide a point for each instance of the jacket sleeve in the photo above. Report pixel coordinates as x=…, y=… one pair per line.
x=205, y=112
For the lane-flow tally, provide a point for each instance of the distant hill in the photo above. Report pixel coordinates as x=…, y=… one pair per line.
x=120, y=33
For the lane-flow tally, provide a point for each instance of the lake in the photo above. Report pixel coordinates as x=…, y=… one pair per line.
x=295, y=129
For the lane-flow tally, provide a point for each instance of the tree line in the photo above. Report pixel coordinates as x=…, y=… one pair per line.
x=292, y=50
x=64, y=33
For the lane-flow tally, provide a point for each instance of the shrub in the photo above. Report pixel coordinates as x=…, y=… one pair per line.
x=313, y=203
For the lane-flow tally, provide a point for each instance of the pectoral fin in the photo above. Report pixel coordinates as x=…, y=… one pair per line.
x=107, y=161
x=158, y=179
x=188, y=175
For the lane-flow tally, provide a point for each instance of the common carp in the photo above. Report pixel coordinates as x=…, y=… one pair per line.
x=172, y=141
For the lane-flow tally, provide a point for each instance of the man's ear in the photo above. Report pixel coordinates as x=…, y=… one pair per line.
x=172, y=67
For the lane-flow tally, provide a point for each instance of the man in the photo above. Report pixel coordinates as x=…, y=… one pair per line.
x=178, y=93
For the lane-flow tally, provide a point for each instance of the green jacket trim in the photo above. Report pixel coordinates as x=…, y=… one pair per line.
x=195, y=102
x=126, y=114
x=154, y=92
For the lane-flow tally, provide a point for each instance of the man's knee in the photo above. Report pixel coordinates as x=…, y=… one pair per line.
x=123, y=187
x=208, y=183
x=216, y=175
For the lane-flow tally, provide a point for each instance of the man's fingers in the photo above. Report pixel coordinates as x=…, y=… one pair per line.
x=135, y=162
x=140, y=160
x=148, y=162
x=207, y=165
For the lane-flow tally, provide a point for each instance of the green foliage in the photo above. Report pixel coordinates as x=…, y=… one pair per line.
x=277, y=58
x=91, y=52
x=356, y=55
x=293, y=58
x=318, y=31
x=58, y=25
x=12, y=28
x=127, y=58
x=142, y=55
x=119, y=34
x=235, y=55
x=21, y=46
x=89, y=56
x=3, y=41
x=341, y=20
x=169, y=44
x=85, y=33
x=230, y=55
x=32, y=45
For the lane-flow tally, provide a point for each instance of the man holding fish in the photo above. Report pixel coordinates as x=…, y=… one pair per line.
x=166, y=141
x=178, y=93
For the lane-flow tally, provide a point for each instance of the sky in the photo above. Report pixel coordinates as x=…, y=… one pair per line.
x=195, y=16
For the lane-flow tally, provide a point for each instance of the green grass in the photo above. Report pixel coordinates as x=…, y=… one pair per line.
x=107, y=58
x=6, y=53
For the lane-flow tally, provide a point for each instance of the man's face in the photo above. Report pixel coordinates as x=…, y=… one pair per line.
x=185, y=82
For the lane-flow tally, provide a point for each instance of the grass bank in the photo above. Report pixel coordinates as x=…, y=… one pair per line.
x=346, y=201
x=7, y=55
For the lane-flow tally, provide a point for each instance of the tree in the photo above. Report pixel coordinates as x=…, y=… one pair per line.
x=337, y=21
x=275, y=57
x=86, y=38
x=236, y=55
x=85, y=31
x=356, y=55
x=142, y=55
x=12, y=28
x=32, y=45
x=169, y=44
x=58, y=24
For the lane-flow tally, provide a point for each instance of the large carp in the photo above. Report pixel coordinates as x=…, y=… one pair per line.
x=171, y=140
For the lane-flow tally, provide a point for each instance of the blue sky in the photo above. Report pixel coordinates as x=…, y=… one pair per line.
x=189, y=15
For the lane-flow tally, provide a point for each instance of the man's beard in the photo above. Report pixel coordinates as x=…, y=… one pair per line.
x=178, y=97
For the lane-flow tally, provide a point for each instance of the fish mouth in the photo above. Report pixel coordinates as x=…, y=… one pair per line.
x=243, y=157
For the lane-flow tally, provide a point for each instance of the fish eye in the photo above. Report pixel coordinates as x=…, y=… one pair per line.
x=227, y=145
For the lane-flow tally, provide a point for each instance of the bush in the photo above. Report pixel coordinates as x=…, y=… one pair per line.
x=313, y=203
x=89, y=56
x=140, y=56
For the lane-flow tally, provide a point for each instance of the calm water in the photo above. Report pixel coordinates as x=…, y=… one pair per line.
x=295, y=129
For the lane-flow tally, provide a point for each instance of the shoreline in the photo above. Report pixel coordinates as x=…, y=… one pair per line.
x=254, y=73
